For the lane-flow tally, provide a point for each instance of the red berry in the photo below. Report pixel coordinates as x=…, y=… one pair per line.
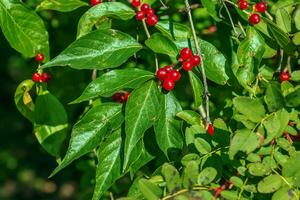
x=140, y=15
x=125, y=96
x=284, y=76
x=261, y=7
x=174, y=75
x=186, y=53
x=95, y=2
x=196, y=60
x=254, y=19
x=243, y=5
x=150, y=12
x=168, y=68
x=168, y=84
x=162, y=74
x=135, y=3
x=117, y=97
x=152, y=20
x=36, y=77
x=145, y=7
x=187, y=65
x=46, y=77
x=211, y=129
x=39, y=57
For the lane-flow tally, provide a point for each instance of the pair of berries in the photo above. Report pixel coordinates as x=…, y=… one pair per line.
x=121, y=97
x=284, y=76
x=41, y=77
x=189, y=61
x=95, y=2
x=260, y=7
x=168, y=76
x=145, y=12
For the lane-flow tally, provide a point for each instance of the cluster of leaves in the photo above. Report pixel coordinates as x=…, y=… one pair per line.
x=254, y=149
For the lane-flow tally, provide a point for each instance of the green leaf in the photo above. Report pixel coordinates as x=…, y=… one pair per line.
x=95, y=14
x=60, y=5
x=202, y=146
x=175, y=31
x=242, y=105
x=297, y=18
x=269, y=184
x=111, y=82
x=296, y=38
x=243, y=140
x=50, y=122
x=29, y=37
x=100, y=49
x=88, y=132
x=198, y=90
x=258, y=169
x=293, y=99
x=230, y=195
x=24, y=101
x=191, y=117
x=249, y=53
x=172, y=177
x=109, y=163
x=295, y=76
x=292, y=169
x=190, y=174
x=167, y=128
x=211, y=7
x=149, y=189
x=207, y=175
x=142, y=110
x=284, y=193
x=237, y=182
x=283, y=20
x=159, y=43
x=273, y=98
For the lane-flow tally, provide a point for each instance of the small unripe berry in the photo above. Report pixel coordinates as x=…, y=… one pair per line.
x=95, y=2
x=39, y=57
x=196, y=60
x=211, y=129
x=254, y=19
x=140, y=15
x=243, y=5
x=261, y=7
x=152, y=20
x=284, y=76
x=162, y=74
x=174, y=75
x=36, y=77
x=135, y=3
x=168, y=84
x=45, y=77
x=186, y=53
x=145, y=7
x=187, y=65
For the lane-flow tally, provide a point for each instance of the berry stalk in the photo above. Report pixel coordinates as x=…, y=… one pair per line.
x=188, y=9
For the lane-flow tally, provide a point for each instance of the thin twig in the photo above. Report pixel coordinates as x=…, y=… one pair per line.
x=94, y=74
x=242, y=28
x=288, y=65
x=188, y=9
x=230, y=18
x=280, y=61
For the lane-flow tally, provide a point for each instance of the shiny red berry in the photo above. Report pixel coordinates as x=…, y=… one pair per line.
x=36, y=77
x=162, y=74
x=254, y=19
x=284, y=76
x=140, y=15
x=150, y=12
x=145, y=7
x=211, y=129
x=168, y=84
x=125, y=96
x=39, y=57
x=95, y=2
x=244, y=5
x=261, y=7
x=152, y=20
x=168, y=68
x=45, y=77
x=135, y=3
x=186, y=53
x=187, y=65
x=196, y=60
x=117, y=97
x=174, y=75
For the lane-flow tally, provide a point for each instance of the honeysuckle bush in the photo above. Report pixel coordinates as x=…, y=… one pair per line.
x=228, y=129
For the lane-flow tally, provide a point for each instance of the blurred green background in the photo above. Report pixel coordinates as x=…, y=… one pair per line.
x=24, y=165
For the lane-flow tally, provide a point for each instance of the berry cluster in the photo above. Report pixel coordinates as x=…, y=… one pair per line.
x=95, y=2
x=189, y=61
x=121, y=97
x=145, y=12
x=260, y=7
x=284, y=76
x=40, y=77
x=169, y=76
